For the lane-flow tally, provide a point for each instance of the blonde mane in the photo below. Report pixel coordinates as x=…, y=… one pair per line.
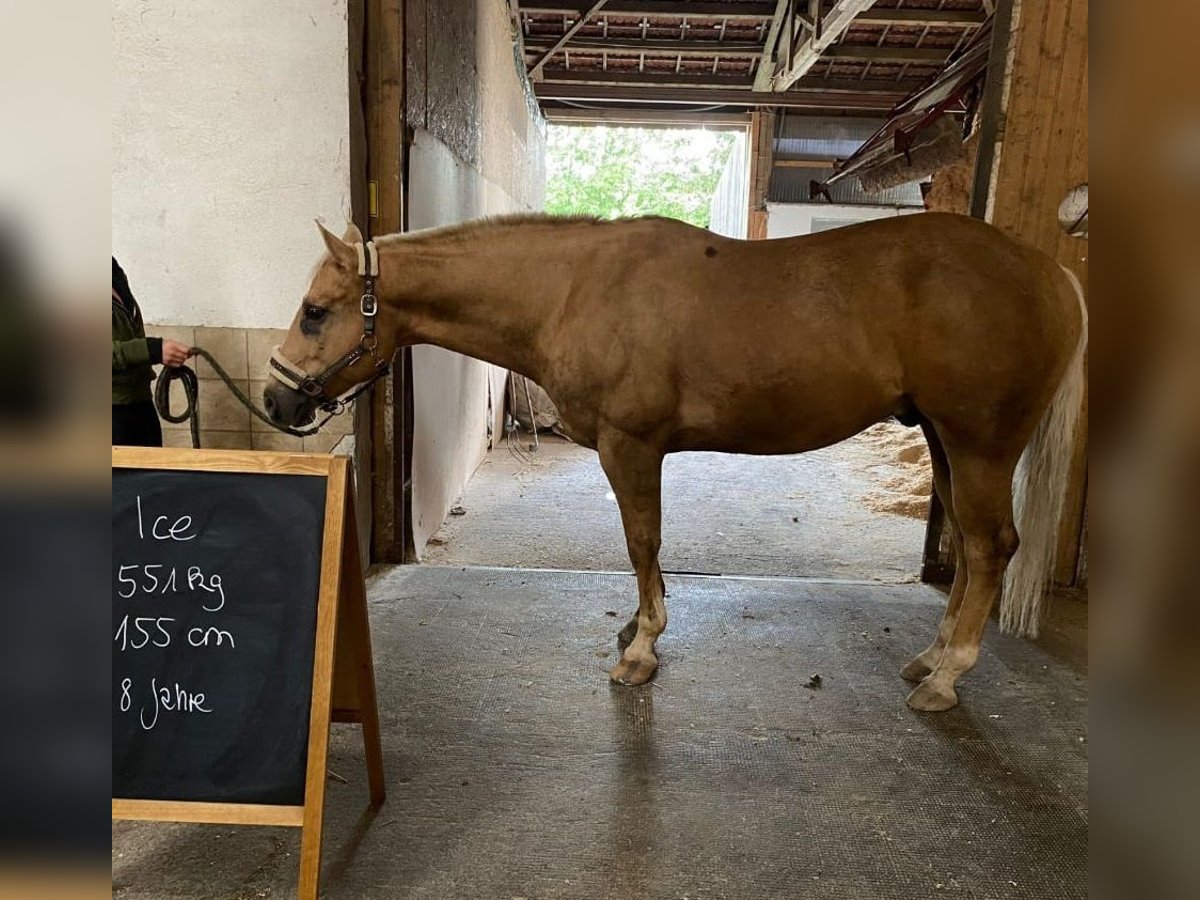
x=497, y=225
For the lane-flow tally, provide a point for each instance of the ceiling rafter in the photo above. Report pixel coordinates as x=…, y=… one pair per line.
x=964, y=18
x=831, y=25
x=860, y=101
x=637, y=49
x=696, y=9
x=565, y=39
x=673, y=46
x=768, y=59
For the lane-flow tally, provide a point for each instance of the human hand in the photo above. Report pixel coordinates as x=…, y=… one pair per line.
x=174, y=353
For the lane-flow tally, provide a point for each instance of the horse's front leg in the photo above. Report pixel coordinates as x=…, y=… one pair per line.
x=634, y=469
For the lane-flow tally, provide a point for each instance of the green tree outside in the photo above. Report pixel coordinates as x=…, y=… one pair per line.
x=612, y=172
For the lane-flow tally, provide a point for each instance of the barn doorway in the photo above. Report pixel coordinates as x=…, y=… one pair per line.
x=853, y=511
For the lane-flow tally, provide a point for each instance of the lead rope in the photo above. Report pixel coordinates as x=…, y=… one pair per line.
x=191, y=393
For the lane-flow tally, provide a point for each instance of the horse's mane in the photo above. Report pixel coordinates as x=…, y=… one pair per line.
x=498, y=224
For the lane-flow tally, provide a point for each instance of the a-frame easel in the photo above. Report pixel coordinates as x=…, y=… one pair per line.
x=343, y=683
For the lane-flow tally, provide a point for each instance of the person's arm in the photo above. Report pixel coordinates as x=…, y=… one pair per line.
x=137, y=352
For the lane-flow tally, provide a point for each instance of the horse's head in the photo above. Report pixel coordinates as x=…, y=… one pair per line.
x=334, y=345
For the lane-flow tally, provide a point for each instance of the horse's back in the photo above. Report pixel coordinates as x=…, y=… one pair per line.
x=788, y=344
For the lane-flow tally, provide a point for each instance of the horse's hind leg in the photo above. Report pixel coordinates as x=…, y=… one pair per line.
x=982, y=489
x=922, y=664
x=634, y=470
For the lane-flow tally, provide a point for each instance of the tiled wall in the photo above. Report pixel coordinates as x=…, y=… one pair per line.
x=224, y=422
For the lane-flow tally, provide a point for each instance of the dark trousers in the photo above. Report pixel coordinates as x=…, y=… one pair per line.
x=136, y=425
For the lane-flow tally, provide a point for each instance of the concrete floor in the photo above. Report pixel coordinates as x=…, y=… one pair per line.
x=516, y=771
x=806, y=515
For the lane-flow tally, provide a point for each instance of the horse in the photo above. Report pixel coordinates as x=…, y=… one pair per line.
x=653, y=336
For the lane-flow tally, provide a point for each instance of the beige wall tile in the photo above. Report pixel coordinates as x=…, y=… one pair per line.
x=185, y=334
x=277, y=440
x=322, y=442
x=260, y=342
x=224, y=440
x=220, y=409
x=340, y=425
x=176, y=437
x=228, y=346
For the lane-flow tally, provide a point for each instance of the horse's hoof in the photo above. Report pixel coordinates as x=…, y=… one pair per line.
x=626, y=635
x=633, y=671
x=930, y=697
x=915, y=670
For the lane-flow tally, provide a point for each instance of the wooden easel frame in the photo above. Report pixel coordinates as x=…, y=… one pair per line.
x=343, y=681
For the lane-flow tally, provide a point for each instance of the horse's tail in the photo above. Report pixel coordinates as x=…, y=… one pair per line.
x=1039, y=491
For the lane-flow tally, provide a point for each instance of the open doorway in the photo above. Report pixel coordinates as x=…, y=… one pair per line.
x=856, y=510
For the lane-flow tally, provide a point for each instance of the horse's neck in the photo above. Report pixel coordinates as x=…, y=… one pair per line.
x=480, y=296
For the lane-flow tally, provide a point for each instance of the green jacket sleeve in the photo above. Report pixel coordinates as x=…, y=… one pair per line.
x=136, y=352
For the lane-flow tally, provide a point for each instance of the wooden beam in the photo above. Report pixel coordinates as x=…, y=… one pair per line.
x=648, y=118
x=653, y=79
x=991, y=111
x=390, y=471
x=754, y=11
x=903, y=87
x=943, y=18
x=769, y=57
x=562, y=41
x=804, y=163
x=831, y=26
x=743, y=49
x=862, y=101
x=697, y=9
x=893, y=90
x=886, y=54
x=762, y=152
x=670, y=48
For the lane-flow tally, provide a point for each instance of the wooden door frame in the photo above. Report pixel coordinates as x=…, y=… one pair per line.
x=379, y=199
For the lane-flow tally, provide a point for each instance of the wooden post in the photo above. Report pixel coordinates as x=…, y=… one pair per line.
x=762, y=157
x=391, y=400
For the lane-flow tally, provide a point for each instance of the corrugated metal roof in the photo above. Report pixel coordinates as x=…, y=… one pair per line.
x=822, y=137
x=789, y=184
x=828, y=137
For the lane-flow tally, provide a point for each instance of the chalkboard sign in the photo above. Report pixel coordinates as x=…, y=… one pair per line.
x=239, y=632
x=215, y=583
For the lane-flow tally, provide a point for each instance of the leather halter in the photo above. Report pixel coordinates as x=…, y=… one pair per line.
x=314, y=386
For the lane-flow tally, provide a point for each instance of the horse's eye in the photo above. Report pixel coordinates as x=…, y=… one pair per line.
x=314, y=313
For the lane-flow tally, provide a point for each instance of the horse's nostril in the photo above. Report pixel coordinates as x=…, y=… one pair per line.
x=269, y=405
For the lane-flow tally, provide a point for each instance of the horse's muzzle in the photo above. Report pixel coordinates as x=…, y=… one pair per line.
x=286, y=406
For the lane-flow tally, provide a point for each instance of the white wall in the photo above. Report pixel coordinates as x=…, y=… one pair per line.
x=729, y=209
x=451, y=392
x=791, y=219
x=229, y=136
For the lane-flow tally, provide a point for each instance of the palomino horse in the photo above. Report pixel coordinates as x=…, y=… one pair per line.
x=652, y=336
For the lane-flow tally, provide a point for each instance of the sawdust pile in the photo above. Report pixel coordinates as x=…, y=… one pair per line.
x=896, y=459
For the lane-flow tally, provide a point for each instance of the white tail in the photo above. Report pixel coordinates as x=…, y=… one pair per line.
x=1039, y=489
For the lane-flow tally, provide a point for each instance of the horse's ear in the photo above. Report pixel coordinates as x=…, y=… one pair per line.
x=344, y=255
x=353, y=235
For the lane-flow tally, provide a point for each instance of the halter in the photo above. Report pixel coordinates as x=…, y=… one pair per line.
x=313, y=386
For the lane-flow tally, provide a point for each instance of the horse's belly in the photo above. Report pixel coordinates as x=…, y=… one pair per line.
x=772, y=422
x=774, y=441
